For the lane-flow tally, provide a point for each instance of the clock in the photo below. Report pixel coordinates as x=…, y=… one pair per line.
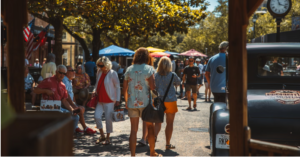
x=279, y=8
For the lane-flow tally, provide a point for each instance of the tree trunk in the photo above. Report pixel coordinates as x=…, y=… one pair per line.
x=57, y=23
x=96, y=43
x=81, y=41
x=126, y=41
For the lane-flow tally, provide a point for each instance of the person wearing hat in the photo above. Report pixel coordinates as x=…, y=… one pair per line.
x=45, y=59
x=199, y=79
x=36, y=63
x=217, y=81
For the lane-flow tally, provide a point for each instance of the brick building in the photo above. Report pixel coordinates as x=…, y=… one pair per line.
x=72, y=51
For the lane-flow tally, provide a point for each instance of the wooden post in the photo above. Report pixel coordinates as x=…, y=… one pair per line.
x=239, y=13
x=15, y=17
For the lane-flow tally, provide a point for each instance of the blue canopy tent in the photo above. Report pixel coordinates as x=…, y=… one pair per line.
x=172, y=53
x=115, y=51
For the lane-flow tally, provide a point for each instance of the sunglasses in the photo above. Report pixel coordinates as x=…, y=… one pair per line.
x=62, y=73
x=191, y=60
x=101, y=66
x=71, y=70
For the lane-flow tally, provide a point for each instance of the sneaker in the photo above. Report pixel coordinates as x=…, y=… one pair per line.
x=89, y=131
x=78, y=130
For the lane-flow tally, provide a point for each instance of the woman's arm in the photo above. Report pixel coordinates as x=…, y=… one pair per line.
x=176, y=80
x=151, y=81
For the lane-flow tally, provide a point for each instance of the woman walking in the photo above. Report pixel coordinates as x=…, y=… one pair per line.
x=139, y=80
x=162, y=80
x=81, y=83
x=207, y=86
x=107, y=88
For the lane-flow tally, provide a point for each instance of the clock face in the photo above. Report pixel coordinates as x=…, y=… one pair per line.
x=279, y=6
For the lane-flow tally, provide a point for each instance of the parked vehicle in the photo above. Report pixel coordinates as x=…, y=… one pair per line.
x=273, y=98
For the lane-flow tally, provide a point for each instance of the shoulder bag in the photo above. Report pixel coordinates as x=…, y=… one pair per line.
x=155, y=113
x=93, y=102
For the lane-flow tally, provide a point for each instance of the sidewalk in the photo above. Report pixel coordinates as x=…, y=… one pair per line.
x=190, y=135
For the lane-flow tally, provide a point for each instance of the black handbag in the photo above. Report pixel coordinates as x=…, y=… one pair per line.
x=155, y=114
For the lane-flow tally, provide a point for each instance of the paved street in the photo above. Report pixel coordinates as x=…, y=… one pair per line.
x=190, y=135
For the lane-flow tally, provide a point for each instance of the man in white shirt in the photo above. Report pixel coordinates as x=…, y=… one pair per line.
x=173, y=63
x=36, y=63
x=199, y=79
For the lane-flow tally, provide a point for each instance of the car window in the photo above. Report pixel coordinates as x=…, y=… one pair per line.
x=278, y=66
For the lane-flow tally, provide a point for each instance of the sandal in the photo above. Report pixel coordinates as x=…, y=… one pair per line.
x=157, y=155
x=209, y=100
x=100, y=140
x=170, y=147
x=107, y=142
x=195, y=106
x=188, y=108
x=184, y=98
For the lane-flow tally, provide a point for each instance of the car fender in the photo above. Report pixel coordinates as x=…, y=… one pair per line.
x=219, y=119
x=214, y=107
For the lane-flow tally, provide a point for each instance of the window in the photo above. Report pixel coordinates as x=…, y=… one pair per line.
x=64, y=35
x=279, y=66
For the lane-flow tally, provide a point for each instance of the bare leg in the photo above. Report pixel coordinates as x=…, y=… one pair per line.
x=169, y=127
x=195, y=99
x=206, y=89
x=157, y=129
x=101, y=133
x=132, y=139
x=209, y=92
x=188, y=94
x=145, y=131
x=151, y=138
x=81, y=117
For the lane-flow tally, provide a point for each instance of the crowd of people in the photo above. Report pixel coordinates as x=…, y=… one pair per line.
x=142, y=82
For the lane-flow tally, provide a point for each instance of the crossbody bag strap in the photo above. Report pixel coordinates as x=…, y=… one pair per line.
x=168, y=88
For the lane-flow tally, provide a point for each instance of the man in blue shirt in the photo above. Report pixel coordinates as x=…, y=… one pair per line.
x=90, y=68
x=217, y=81
x=67, y=80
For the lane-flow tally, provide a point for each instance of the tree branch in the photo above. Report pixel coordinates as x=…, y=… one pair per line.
x=111, y=40
x=41, y=17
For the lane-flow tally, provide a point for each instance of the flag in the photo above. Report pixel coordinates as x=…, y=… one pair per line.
x=41, y=38
x=30, y=40
x=26, y=31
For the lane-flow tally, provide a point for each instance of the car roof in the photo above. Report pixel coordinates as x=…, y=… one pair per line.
x=271, y=48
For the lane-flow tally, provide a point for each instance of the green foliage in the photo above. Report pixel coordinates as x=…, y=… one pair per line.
x=266, y=24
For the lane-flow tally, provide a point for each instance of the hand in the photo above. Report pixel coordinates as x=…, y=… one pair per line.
x=117, y=103
x=93, y=94
x=49, y=92
x=126, y=105
x=194, y=76
x=74, y=110
x=182, y=85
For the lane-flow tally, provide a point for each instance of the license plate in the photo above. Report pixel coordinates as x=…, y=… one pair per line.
x=222, y=141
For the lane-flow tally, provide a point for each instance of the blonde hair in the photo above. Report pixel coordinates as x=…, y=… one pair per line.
x=164, y=66
x=105, y=61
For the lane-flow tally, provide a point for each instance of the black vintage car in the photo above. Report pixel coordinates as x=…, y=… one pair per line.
x=273, y=98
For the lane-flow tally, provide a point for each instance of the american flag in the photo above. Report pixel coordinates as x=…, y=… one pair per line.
x=26, y=31
x=30, y=39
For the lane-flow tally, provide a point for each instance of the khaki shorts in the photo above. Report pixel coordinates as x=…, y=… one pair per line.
x=135, y=112
x=189, y=87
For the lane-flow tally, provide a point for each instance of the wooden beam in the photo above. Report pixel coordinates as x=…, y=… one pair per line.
x=252, y=5
x=237, y=79
x=15, y=17
x=239, y=13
